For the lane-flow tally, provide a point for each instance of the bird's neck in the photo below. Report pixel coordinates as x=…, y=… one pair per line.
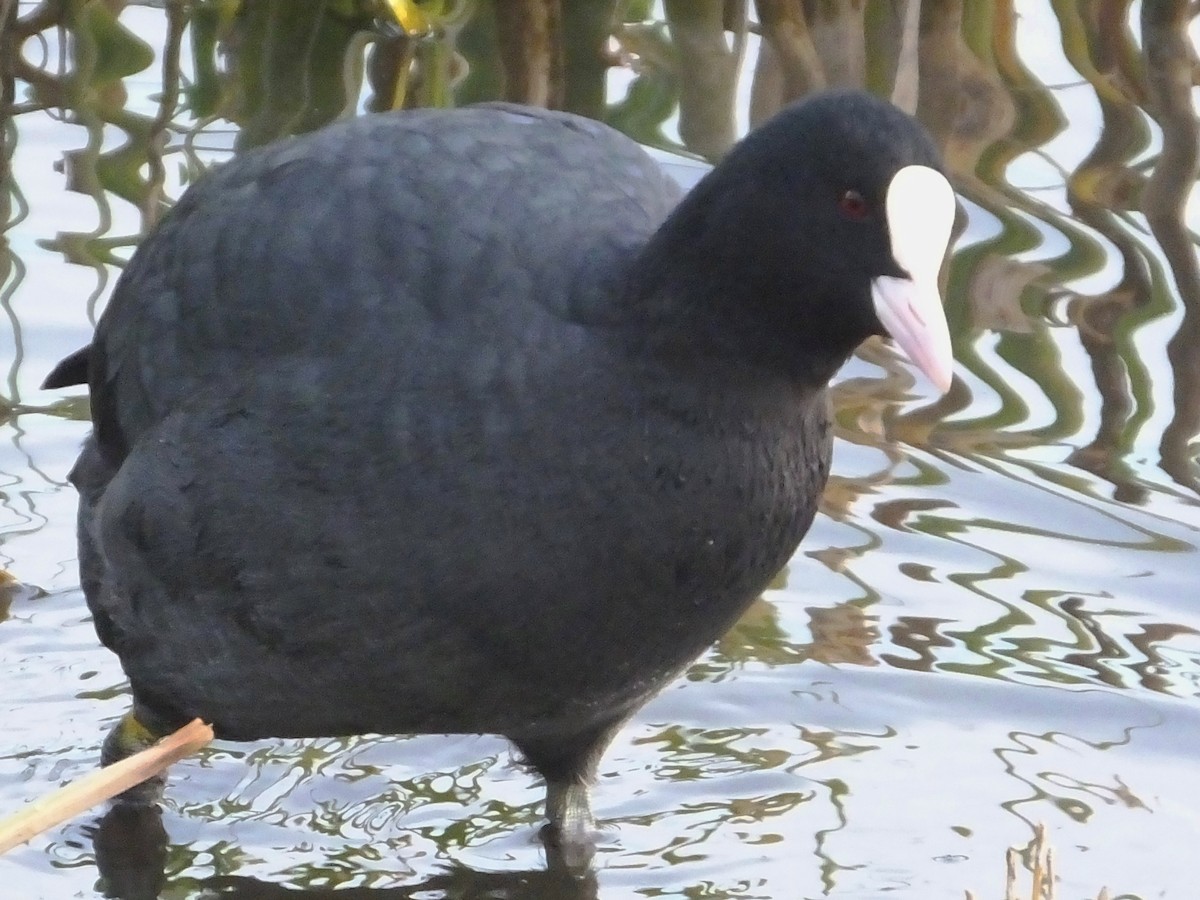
x=702, y=287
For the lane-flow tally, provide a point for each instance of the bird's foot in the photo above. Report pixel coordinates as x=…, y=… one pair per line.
x=127, y=737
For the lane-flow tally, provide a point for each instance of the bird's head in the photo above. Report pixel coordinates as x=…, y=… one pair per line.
x=826, y=225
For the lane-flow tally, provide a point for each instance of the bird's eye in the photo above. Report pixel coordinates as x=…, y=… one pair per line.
x=854, y=206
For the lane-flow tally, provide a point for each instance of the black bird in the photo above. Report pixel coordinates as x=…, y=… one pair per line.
x=460, y=421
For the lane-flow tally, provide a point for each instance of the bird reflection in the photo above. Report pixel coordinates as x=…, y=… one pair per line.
x=130, y=844
x=132, y=849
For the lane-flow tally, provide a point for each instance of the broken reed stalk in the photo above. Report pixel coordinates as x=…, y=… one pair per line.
x=1041, y=862
x=1010, y=879
x=1043, y=869
x=104, y=784
x=1044, y=877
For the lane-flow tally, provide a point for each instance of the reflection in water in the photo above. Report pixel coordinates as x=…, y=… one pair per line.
x=1170, y=68
x=131, y=848
x=1036, y=527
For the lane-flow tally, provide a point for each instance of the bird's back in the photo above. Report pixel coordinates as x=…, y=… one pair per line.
x=419, y=248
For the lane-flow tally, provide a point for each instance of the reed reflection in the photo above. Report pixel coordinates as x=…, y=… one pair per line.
x=268, y=70
x=1170, y=75
x=1065, y=791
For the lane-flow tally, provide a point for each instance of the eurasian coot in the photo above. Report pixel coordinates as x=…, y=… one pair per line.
x=453, y=421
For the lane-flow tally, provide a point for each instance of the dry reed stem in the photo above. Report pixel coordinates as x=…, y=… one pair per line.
x=1044, y=877
x=1039, y=862
x=69, y=801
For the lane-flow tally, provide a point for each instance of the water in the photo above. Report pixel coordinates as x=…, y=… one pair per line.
x=990, y=626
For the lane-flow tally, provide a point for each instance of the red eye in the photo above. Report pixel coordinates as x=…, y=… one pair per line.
x=853, y=206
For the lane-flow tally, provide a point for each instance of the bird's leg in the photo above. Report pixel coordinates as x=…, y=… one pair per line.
x=569, y=763
x=569, y=809
x=129, y=736
x=570, y=834
x=126, y=738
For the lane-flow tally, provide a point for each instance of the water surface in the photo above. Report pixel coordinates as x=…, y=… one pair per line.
x=992, y=623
